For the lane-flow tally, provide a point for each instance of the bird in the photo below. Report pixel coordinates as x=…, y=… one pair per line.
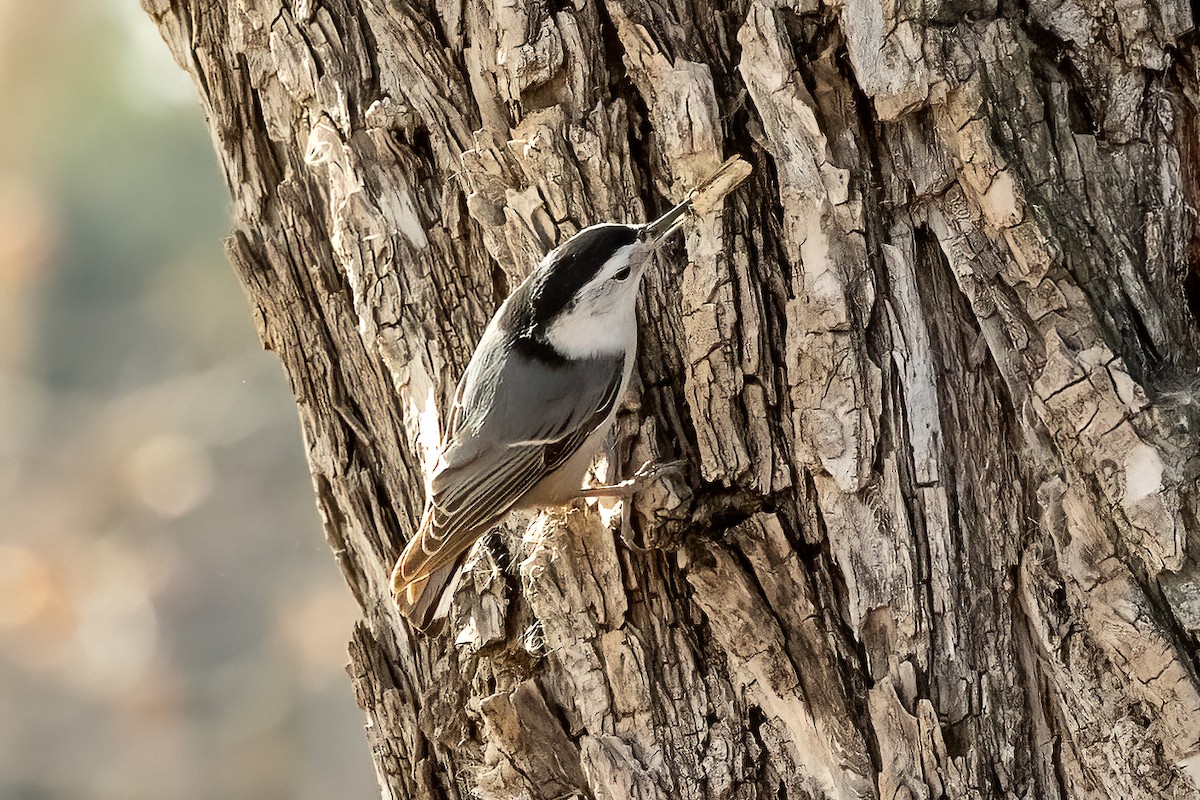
x=537, y=399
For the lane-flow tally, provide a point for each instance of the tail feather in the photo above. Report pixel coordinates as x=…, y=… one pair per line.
x=425, y=602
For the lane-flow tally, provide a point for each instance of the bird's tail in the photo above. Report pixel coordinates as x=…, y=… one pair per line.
x=425, y=602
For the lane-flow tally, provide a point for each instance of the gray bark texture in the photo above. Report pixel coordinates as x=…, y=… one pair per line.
x=933, y=369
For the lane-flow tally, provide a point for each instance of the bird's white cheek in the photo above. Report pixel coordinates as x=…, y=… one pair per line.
x=583, y=334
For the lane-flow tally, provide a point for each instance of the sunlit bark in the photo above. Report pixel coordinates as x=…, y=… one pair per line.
x=933, y=370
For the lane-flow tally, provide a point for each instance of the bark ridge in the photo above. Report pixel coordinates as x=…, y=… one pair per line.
x=934, y=372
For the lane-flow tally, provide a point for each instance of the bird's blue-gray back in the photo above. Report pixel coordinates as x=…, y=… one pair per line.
x=513, y=416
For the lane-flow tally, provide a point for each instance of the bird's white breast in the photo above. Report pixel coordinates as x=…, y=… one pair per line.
x=586, y=332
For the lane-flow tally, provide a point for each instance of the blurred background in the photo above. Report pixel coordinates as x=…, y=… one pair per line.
x=172, y=624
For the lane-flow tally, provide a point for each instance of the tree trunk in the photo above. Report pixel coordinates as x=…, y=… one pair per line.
x=933, y=368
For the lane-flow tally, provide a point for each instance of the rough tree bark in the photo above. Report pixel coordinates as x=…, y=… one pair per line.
x=933, y=368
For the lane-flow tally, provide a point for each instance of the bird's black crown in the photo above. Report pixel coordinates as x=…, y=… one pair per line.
x=549, y=290
x=572, y=265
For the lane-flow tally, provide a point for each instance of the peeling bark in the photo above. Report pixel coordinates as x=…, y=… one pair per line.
x=934, y=370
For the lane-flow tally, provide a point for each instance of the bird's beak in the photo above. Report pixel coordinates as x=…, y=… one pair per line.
x=668, y=223
x=715, y=187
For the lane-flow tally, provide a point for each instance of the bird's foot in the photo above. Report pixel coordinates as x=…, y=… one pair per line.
x=645, y=475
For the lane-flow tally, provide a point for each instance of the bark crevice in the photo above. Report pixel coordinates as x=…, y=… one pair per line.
x=933, y=369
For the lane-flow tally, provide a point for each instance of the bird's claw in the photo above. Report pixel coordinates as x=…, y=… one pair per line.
x=646, y=474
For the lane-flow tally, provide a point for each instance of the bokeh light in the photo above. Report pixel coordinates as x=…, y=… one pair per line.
x=172, y=624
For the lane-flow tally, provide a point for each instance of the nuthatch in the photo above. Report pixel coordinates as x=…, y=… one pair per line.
x=536, y=402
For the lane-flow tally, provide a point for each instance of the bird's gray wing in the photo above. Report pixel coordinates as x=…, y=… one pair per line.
x=512, y=425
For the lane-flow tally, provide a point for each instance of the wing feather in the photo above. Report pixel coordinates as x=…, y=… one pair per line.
x=480, y=476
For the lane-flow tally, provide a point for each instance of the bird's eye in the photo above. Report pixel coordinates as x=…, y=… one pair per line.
x=621, y=274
